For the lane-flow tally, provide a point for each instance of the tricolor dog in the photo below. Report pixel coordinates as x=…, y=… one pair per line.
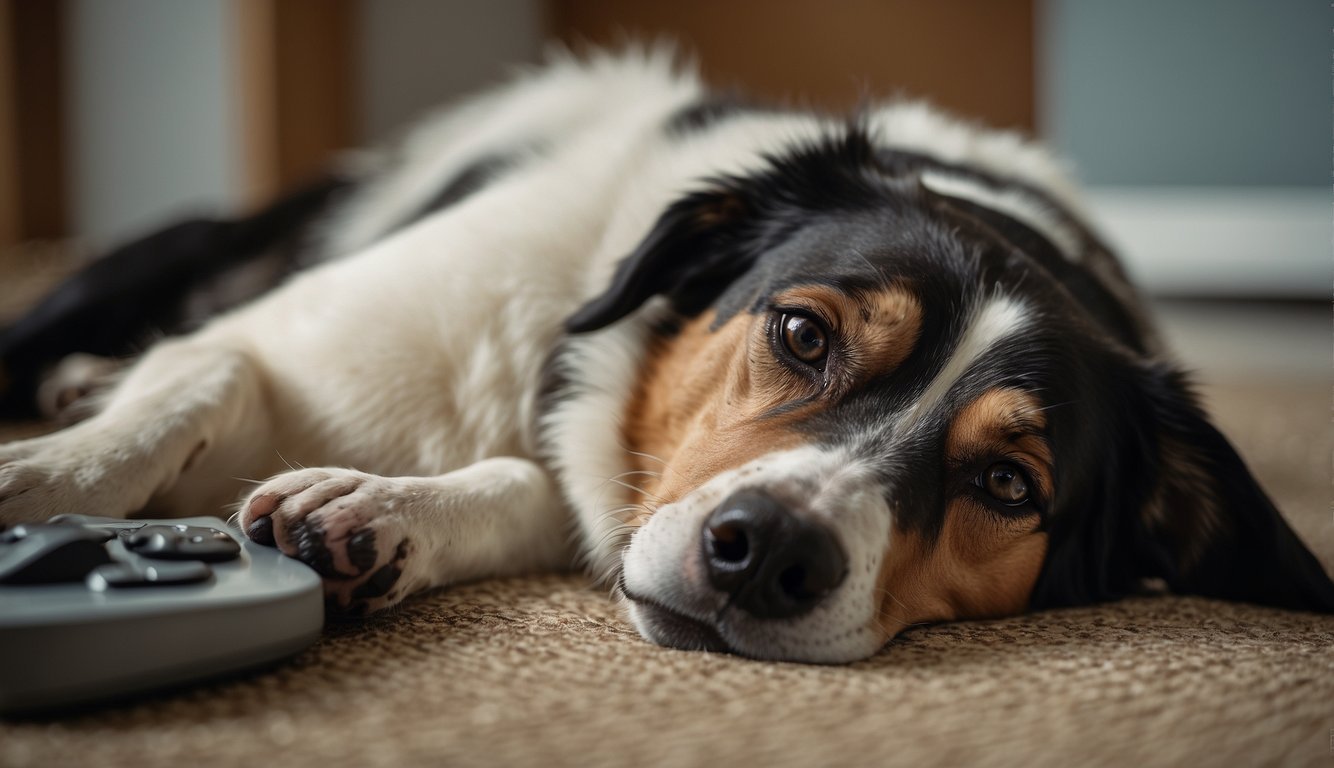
x=790, y=383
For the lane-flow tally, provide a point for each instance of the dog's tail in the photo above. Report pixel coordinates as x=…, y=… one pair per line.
x=162, y=284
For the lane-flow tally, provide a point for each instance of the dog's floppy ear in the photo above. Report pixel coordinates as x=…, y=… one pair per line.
x=1206, y=527
x=690, y=256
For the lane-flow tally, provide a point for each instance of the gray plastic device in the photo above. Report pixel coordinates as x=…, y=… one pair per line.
x=152, y=615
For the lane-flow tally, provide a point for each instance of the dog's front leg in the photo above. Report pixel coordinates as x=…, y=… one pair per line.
x=171, y=410
x=376, y=540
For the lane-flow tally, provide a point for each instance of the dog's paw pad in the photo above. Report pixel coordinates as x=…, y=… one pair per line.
x=379, y=585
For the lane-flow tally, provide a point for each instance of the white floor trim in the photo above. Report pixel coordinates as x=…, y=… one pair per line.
x=1229, y=241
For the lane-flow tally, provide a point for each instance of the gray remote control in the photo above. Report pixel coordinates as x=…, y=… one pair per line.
x=97, y=608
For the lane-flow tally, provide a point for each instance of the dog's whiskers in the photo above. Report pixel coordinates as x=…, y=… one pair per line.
x=284, y=460
x=905, y=624
x=643, y=455
x=635, y=488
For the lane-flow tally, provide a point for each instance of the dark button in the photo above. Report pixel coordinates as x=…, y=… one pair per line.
x=25, y=530
x=111, y=523
x=147, y=574
x=183, y=542
x=50, y=554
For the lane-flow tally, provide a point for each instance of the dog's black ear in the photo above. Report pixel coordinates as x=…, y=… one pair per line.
x=1206, y=527
x=690, y=256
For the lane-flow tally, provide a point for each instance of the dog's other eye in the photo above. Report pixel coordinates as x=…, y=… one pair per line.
x=805, y=338
x=1005, y=483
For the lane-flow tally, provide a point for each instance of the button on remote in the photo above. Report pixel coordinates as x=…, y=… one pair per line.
x=183, y=542
x=144, y=574
x=26, y=530
x=50, y=554
x=112, y=523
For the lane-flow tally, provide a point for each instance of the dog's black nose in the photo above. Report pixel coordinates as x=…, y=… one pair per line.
x=774, y=564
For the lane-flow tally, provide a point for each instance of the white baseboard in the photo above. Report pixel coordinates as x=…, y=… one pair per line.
x=1262, y=242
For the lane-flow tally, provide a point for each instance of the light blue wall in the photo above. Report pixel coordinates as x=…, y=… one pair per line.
x=1189, y=92
x=153, y=135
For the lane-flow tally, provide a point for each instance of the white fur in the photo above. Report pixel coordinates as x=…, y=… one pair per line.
x=917, y=127
x=1013, y=202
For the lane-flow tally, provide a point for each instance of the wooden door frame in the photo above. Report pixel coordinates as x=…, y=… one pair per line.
x=33, y=143
x=296, y=89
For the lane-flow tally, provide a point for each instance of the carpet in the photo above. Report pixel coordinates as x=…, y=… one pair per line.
x=543, y=671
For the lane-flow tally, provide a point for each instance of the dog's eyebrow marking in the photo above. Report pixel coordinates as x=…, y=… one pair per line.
x=995, y=320
x=1013, y=202
x=1000, y=421
x=880, y=327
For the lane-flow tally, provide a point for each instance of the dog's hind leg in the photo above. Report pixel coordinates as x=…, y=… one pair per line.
x=189, y=401
x=168, y=282
x=376, y=540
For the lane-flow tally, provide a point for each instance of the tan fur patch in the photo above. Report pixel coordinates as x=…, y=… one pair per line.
x=1003, y=422
x=984, y=563
x=981, y=566
x=699, y=405
x=876, y=330
x=706, y=399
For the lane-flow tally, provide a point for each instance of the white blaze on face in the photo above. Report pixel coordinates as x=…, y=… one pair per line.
x=991, y=322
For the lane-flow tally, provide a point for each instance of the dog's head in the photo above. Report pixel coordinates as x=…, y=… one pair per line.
x=885, y=405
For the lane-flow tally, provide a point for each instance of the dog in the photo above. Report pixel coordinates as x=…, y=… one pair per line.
x=794, y=382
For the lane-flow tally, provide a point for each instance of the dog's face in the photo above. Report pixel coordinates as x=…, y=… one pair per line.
x=885, y=406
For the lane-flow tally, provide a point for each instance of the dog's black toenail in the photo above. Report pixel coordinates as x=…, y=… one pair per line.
x=260, y=531
x=379, y=583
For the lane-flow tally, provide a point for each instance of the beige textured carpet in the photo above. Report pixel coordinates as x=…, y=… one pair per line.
x=544, y=672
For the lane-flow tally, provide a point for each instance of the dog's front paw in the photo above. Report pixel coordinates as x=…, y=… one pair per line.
x=42, y=477
x=25, y=494
x=342, y=524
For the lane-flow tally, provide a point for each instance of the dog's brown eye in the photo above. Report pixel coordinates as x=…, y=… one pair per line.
x=1005, y=483
x=805, y=339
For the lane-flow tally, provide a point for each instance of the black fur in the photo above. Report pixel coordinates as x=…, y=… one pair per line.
x=472, y=179
x=708, y=112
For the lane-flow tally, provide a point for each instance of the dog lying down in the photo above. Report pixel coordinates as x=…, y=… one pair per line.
x=795, y=382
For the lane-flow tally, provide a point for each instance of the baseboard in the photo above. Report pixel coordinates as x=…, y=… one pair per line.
x=1258, y=242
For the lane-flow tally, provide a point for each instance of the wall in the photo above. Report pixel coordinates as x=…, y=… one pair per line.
x=151, y=131
x=418, y=54
x=1224, y=92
